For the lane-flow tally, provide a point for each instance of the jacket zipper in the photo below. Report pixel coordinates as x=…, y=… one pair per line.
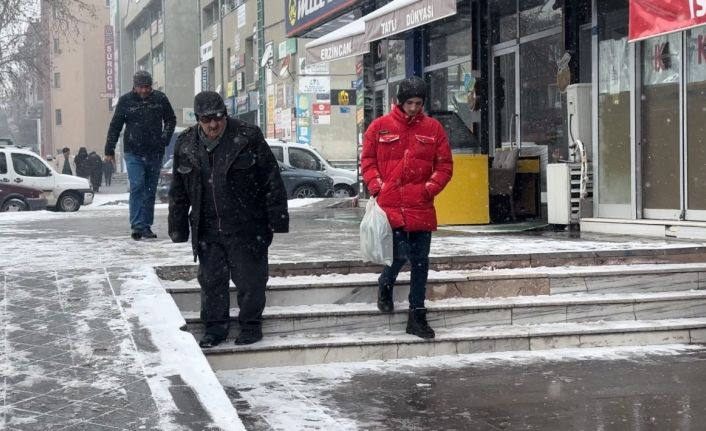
x=213, y=194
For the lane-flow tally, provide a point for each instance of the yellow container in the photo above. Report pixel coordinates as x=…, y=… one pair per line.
x=465, y=200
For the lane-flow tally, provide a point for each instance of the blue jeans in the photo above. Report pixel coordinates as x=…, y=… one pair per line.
x=143, y=174
x=412, y=246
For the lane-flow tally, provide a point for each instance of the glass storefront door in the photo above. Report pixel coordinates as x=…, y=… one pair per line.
x=695, y=124
x=661, y=127
x=506, y=104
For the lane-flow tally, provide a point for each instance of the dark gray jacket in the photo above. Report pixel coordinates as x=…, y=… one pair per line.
x=247, y=180
x=149, y=124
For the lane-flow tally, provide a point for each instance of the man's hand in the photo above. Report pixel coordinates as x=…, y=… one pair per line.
x=110, y=158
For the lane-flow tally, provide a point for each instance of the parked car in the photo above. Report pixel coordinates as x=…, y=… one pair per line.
x=302, y=156
x=304, y=183
x=14, y=197
x=64, y=192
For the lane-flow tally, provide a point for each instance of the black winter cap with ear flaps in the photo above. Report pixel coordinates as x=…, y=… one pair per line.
x=208, y=103
x=411, y=87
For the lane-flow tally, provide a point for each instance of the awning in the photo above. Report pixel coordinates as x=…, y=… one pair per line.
x=345, y=42
x=399, y=16
x=650, y=18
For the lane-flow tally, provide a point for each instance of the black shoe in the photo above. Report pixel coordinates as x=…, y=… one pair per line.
x=136, y=235
x=417, y=324
x=210, y=340
x=385, y=303
x=249, y=336
x=148, y=234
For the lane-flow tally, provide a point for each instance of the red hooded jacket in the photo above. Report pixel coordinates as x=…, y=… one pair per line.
x=406, y=162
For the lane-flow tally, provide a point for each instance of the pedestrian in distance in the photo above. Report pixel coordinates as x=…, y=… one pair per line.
x=81, y=161
x=406, y=161
x=149, y=122
x=95, y=170
x=65, y=162
x=108, y=170
x=227, y=193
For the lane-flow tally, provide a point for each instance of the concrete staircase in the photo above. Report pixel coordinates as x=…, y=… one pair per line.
x=318, y=316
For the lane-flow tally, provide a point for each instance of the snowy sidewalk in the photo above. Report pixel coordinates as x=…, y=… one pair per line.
x=82, y=351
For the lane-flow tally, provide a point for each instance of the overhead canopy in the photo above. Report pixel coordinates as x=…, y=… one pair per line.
x=650, y=18
x=395, y=17
x=399, y=16
x=345, y=42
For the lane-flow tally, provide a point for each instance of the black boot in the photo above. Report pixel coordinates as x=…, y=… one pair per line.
x=417, y=323
x=249, y=336
x=385, y=303
x=148, y=234
x=136, y=234
x=210, y=340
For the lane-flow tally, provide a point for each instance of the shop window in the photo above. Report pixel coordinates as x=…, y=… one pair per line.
x=696, y=119
x=57, y=119
x=451, y=38
x=539, y=15
x=452, y=101
x=503, y=20
x=614, y=84
x=209, y=15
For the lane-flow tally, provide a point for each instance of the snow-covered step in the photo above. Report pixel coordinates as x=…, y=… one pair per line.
x=466, y=313
x=362, y=288
x=608, y=256
x=317, y=349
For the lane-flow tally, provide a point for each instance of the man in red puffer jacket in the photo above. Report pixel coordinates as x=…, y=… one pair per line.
x=406, y=161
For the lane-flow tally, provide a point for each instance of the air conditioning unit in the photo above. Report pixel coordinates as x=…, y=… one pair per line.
x=565, y=205
x=578, y=109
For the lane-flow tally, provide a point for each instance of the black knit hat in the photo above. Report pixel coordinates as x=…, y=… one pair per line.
x=208, y=103
x=142, y=77
x=411, y=87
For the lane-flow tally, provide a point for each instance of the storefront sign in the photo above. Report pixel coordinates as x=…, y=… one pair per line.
x=230, y=89
x=343, y=97
x=321, y=109
x=653, y=17
x=305, y=14
x=241, y=104
x=207, y=51
x=313, y=69
x=338, y=49
x=390, y=20
x=314, y=84
x=200, y=79
x=109, y=61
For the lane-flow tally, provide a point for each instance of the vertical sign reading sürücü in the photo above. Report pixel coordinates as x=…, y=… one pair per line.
x=109, y=61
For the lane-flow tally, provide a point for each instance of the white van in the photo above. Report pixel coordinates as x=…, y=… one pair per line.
x=302, y=156
x=63, y=192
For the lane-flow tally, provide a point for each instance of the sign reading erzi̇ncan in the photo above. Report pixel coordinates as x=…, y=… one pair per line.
x=304, y=14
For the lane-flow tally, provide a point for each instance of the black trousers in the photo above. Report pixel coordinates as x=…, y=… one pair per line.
x=238, y=258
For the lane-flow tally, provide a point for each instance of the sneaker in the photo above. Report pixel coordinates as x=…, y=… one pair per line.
x=148, y=234
x=136, y=235
x=210, y=340
x=249, y=336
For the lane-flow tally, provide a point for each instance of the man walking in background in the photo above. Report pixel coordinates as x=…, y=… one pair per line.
x=227, y=191
x=149, y=124
x=65, y=162
x=406, y=161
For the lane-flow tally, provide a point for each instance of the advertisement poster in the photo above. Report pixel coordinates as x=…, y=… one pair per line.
x=303, y=113
x=321, y=113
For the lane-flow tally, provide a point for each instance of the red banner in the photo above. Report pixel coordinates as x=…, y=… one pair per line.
x=654, y=17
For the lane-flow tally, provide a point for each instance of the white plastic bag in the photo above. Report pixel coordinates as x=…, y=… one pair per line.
x=375, y=235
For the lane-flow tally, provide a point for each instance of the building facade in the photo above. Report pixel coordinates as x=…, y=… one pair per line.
x=161, y=37
x=76, y=106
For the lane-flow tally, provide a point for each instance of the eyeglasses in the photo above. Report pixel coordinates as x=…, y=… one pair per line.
x=208, y=118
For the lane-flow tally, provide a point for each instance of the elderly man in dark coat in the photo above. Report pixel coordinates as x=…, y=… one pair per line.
x=226, y=174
